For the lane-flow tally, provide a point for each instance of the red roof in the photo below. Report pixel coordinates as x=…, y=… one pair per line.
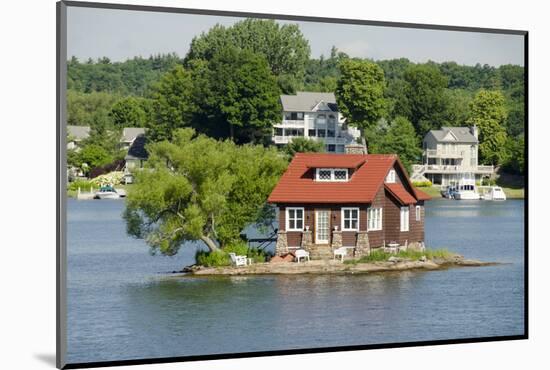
x=420, y=195
x=399, y=192
x=365, y=181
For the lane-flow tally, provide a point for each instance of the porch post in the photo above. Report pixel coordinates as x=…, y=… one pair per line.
x=362, y=246
x=281, y=248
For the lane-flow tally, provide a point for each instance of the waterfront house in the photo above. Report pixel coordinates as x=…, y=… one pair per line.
x=357, y=201
x=75, y=136
x=450, y=154
x=129, y=135
x=137, y=155
x=313, y=115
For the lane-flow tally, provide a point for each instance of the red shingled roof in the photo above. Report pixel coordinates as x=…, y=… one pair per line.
x=335, y=161
x=399, y=192
x=420, y=195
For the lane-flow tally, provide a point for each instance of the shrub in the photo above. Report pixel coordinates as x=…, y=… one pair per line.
x=422, y=184
x=378, y=255
x=82, y=184
x=212, y=259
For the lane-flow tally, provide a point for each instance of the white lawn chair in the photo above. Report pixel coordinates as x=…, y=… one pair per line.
x=237, y=260
x=340, y=253
x=301, y=253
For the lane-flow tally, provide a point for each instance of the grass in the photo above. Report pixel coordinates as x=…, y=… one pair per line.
x=432, y=191
x=378, y=255
x=512, y=193
x=221, y=258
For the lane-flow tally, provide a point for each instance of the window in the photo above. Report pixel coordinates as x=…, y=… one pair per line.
x=278, y=131
x=294, y=219
x=350, y=219
x=331, y=174
x=330, y=133
x=300, y=115
x=288, y=116
x=418, y=213
x=404, y=218
x=331, y=148
x=311, y=132
x=374, y=219
x=390, y=178
x=321, y=133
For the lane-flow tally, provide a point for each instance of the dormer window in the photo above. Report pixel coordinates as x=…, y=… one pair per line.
x=390, y=177
x=331, y=174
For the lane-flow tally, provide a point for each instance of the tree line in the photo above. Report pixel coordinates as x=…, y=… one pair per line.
x=228, y=86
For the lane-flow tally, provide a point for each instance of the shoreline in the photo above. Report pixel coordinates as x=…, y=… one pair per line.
x=334, y=267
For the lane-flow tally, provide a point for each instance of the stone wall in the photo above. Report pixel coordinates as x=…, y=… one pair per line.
x=281, y=248
x=362, y=247
x=307, y=240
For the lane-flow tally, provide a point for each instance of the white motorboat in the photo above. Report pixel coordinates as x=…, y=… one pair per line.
x=466, y=190
x=106, y=192
x=494, y=193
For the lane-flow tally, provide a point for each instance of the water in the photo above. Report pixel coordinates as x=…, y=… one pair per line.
x=122, y=304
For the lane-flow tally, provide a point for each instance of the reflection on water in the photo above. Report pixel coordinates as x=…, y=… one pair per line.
x=122, y=305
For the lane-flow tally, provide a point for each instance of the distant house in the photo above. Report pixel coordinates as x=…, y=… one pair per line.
x=137, y=155
x=357, y=201
x=450, y=154
x=75, y=136
x=315, y=116
x=129, y=134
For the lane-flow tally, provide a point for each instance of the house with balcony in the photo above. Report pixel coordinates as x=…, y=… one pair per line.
x=315, y=116
x=450, y=154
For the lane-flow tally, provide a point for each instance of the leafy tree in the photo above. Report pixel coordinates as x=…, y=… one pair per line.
x=131, y=112
x=92, y=155
x=235, y=89
x=488, y=112
x=360, y=92
x=304, y=145
x=399, y=138
x=283, y=46
x=426, y=102
x=515, y=150
x=458, y=109
x=89, y=109
x=172, y=104
x=197, y=188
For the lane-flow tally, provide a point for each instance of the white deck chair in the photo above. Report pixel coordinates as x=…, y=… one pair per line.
x=237, y=260
x=340, y=253
x=301, y=253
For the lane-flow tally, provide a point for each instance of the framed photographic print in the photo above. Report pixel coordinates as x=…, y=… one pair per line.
x=235, y=184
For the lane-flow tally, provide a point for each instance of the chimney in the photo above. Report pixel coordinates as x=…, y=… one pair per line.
x=473, y=130
x=357, y=148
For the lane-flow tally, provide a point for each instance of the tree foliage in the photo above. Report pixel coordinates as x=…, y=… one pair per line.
x=197, y=188
x=235, y=89
x=397, y=138
x=304, y=145
x=283, y=46
x=360, y=92
x=488, y=112
x=425, y=102
x=132, y=112
x=172, y=104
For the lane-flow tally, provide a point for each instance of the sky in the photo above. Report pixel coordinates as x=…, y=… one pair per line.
x=123, y=34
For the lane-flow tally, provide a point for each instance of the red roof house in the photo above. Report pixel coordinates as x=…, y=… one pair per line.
x=355, y=201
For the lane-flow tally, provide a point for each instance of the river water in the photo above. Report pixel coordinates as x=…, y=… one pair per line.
x=123, y=304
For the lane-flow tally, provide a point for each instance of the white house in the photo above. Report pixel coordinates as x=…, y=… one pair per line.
x=450, y=154
x=315, y=116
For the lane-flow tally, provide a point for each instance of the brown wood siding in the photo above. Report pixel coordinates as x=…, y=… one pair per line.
x=376, y=238
x=392, y=222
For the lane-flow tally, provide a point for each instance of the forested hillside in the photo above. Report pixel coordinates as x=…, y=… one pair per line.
x=232, y=92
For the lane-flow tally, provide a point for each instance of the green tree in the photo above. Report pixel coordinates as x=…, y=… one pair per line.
x=425, y=103
x=197, y=188
x=515, y=151
x=283, y=46
x=360, y=92
x=397, y=138
x=236, y=89
x=171, y=103
x=131, y=112
x=488, y=112
x=304, y=145
x=92, y=156
x=89, y=109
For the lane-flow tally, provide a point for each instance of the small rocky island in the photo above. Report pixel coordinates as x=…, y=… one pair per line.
x=331, y=266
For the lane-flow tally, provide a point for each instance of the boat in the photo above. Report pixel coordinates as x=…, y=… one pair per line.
x=106, y=192
x=466, y=189
x=448, y=192
x=494, y=193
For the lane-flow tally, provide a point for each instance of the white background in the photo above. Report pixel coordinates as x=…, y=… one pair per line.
x=27, y=182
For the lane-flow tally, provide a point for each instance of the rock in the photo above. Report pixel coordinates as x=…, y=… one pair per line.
x=423, y=259
x=394, y=259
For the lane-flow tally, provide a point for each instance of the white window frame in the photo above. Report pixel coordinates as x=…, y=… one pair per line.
x=295, y=218
x=351, y=218
x=418, y=211
x=404, y=219
x=390, y=177
x=374, y=219
x=332, y=177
